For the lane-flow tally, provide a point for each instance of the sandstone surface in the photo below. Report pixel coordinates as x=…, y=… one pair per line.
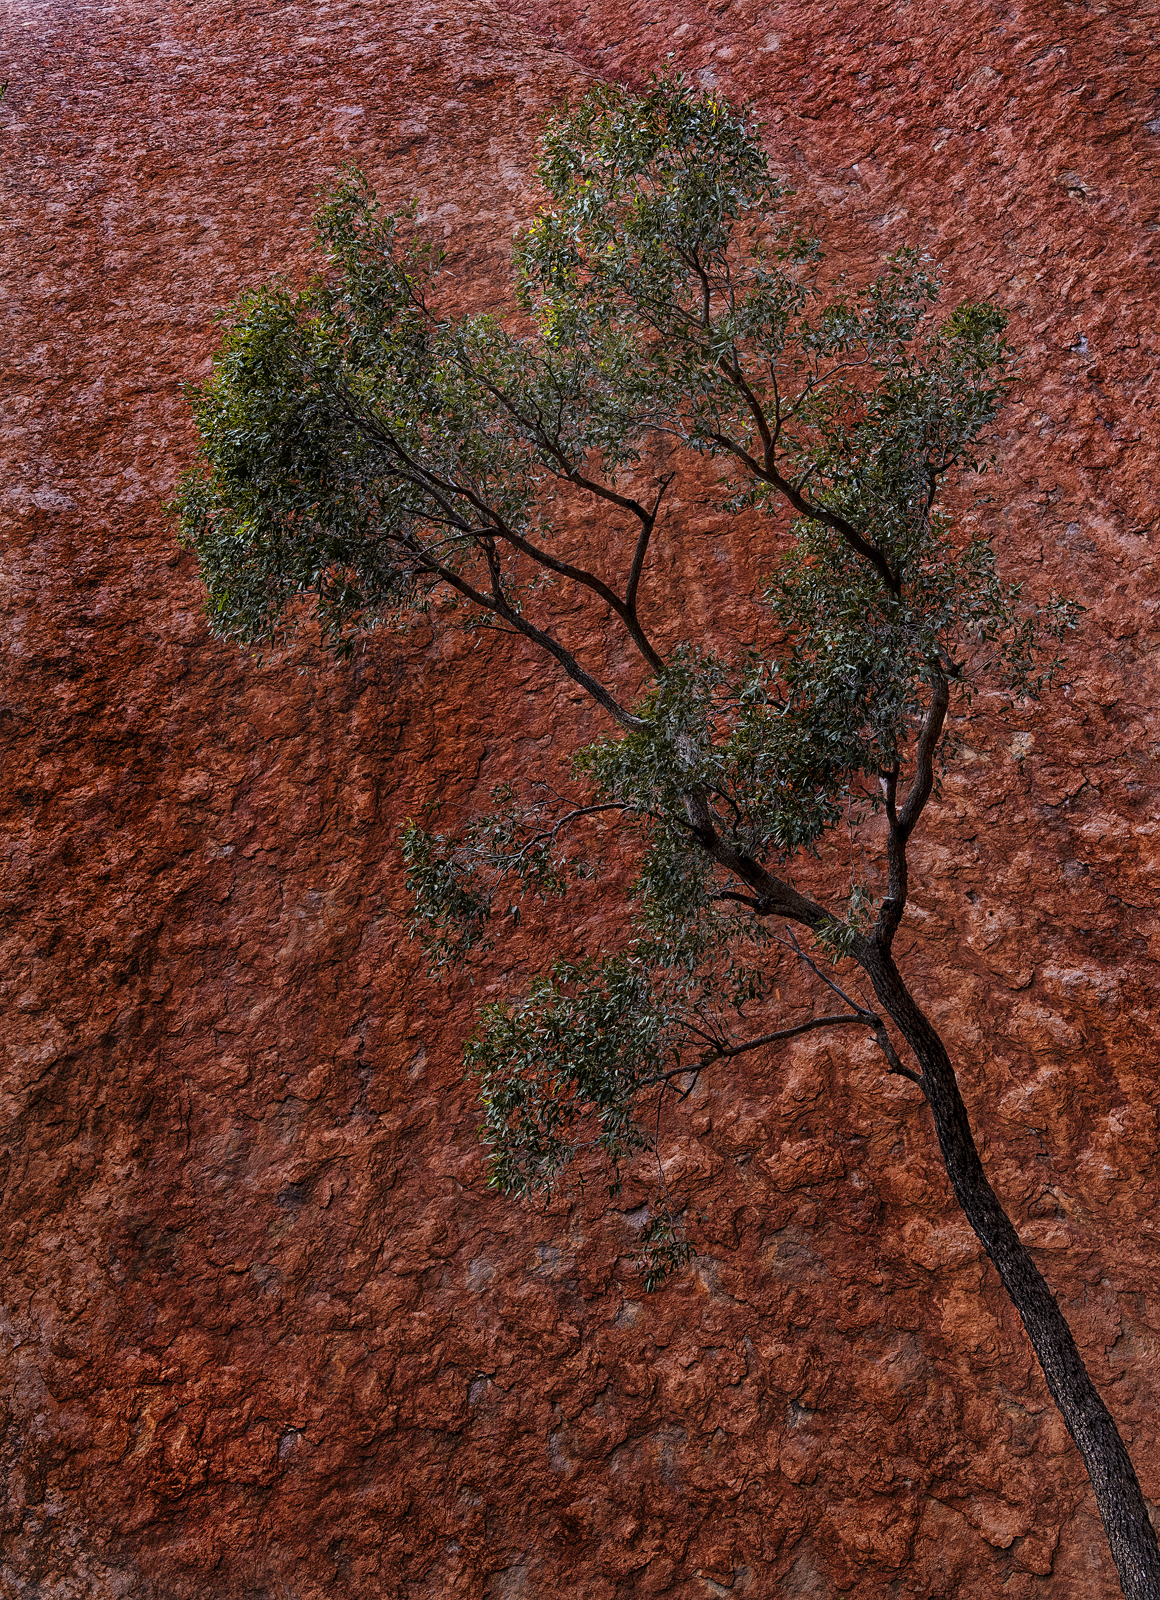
x=264, y=1331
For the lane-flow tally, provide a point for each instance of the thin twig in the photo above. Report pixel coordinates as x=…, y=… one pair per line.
x=792, y=944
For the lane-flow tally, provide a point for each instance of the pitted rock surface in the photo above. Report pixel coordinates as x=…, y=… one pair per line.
x=265, y=1332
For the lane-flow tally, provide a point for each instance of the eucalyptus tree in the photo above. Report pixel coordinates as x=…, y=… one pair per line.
x=366, y=450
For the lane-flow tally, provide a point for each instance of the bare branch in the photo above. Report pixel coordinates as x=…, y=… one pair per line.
x=647, y=526
x=501, y=608
x=724, y=1052
x=924, y=756
x=831, y=983
x=837, y=1019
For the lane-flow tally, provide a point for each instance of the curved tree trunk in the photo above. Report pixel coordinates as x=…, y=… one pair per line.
x=1113, y=1478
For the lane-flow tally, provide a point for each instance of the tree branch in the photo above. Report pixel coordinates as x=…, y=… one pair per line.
x=646, y=529
x=902, y=823
x=882, y=1039
x=768, y=472
x=723, y=1052
x=552, y=646
x=924, y=758
x=589, y=580
x=562, y=822
x=439, y=487
x=774, y=897
x=727, y=1052
x=830, y=983
x=736, y=376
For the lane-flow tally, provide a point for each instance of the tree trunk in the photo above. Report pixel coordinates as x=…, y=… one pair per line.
x=1113, y=1478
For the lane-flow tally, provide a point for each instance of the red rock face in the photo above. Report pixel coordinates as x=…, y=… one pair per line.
x=265, y=1332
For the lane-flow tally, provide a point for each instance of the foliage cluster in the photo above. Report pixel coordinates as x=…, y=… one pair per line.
x=366, y=450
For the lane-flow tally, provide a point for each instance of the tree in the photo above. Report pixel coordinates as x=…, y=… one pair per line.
x=362, y=448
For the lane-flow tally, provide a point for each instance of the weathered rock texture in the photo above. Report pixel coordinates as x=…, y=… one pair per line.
x=264, y=1332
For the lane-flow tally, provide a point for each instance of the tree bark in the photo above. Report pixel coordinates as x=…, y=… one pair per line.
x=1113, y=1478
